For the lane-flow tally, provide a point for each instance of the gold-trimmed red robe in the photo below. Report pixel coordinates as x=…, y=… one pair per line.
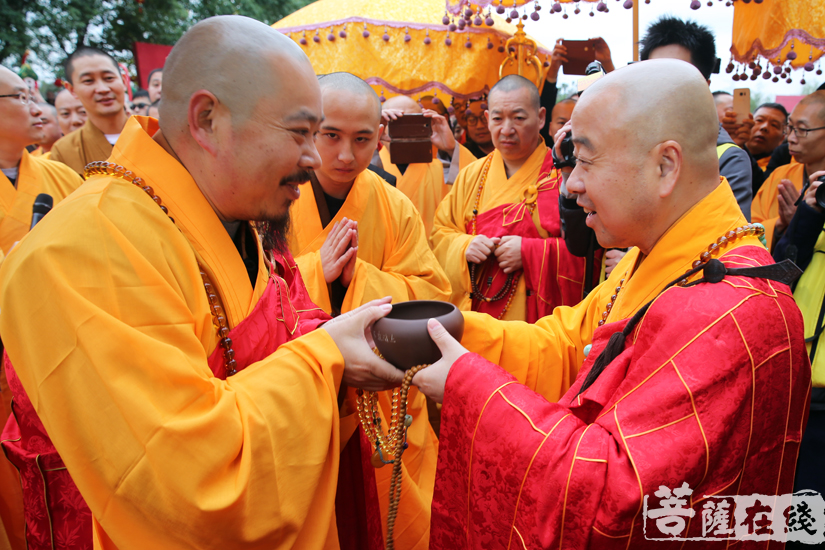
x=527, y=205
x=711, y=389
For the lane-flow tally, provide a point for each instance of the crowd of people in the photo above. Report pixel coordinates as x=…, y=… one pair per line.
x=187, y=358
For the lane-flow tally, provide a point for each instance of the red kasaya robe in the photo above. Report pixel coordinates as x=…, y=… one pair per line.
x=553, y=276
x=711, y=389
x=57, y=517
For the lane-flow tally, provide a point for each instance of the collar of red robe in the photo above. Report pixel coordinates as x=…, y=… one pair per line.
x=713, y=271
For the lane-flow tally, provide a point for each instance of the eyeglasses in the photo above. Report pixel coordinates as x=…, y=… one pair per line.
x=22, y=97
x=473, y=120
x=800, y=132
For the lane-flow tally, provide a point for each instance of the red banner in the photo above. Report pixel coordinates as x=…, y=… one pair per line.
x=149, y=57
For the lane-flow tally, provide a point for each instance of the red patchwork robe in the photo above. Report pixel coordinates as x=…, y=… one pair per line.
x=712, y=390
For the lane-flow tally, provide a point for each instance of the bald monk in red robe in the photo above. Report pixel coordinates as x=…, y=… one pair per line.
x=498, y=234
x=691, y=360
x=172, y=389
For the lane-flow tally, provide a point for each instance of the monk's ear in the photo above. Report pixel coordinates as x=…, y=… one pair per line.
x=380, y=131
x=202, y=118
x=670, y=166
x=542, y=116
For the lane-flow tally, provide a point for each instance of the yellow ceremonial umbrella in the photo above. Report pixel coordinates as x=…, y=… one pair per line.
x=788, y=34
x=413, y=47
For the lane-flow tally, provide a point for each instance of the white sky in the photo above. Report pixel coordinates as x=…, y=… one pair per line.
x=616, y=27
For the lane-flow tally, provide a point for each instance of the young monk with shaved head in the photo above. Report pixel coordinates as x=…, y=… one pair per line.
x=166, y=362
x=498, y=233
x=688, y=364
x=356, y=238
x=424, y=184
x=93, y=77
x=71, y=115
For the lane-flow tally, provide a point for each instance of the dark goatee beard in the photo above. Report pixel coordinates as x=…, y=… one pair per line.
x=274, y=231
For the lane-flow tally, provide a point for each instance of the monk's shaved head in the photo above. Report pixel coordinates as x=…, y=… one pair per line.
x=403, y=103
x=239, y=110
x=513, y=82
x=691, y=121
x=232, y=57
x=644, y=158
x=347, y=82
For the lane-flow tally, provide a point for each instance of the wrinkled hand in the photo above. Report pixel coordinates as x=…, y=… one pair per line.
x=810, y=194
x=362, y=367
x=603, y=55
x=508, y=253
x=557, y=59
x=337, y=250
x=739, y=133
x=431, y=381
x=611, y=258
x=787, y=197
x=442, y=133
x=480, y=249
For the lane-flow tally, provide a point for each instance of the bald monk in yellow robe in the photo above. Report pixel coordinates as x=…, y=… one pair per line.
x=94, y=78
x=497, y=234
x=701, y=386
x=773, y=205
x=424, y=184
x=51, y=130
x=202, y=412
x=355, y=238
x=23, y=177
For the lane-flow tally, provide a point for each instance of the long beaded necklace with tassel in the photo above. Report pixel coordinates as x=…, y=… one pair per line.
x=390, y=447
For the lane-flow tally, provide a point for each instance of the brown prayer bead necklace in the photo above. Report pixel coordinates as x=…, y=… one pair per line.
x=215, y=305
x=750, y=229
x=511, y=283
x=389, y=447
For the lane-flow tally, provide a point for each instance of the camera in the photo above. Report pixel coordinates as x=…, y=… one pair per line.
x=593, y=72
x=568, y=159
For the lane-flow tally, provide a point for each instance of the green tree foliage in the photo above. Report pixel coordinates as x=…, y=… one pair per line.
x=52, y=29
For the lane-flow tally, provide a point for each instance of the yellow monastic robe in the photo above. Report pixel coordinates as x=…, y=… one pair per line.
x=449, y=237
x=393, y=260
x=165, y=454
x=763, y=162
x=547, y=356
x=765, y=208
x=41, y=154
x=36, y=175
x=424, y=184
x=79, y=148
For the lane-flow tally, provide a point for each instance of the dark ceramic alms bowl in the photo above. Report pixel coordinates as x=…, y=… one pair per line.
x=402, y=336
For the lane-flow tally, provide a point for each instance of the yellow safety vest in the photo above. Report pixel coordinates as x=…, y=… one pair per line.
x=720, y=149
x=810, y=295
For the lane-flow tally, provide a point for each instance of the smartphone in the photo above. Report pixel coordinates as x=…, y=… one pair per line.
x=580, y=53
x=742, y=104
x=410, y=139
